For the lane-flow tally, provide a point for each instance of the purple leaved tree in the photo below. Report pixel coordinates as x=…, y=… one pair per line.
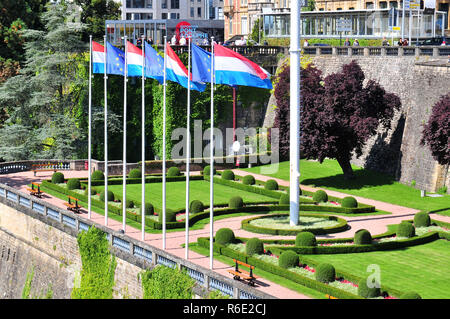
x=338, y=113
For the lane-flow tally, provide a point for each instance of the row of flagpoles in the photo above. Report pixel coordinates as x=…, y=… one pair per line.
x=220, y=66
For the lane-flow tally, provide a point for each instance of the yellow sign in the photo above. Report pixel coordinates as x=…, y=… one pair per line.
x=396, y=28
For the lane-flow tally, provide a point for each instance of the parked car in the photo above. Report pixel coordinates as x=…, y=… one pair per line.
x=435, y=41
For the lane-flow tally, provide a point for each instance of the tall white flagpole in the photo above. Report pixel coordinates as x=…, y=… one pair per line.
x=124, y=190
x=106, y=136
x=211, y=172
x=294, y=155
x=188, y=149
x=143, y=141
x=90, y=128
x=164, y=147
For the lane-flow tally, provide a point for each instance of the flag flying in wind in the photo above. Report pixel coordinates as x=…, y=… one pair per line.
x=154, y=64
x=115, y=60
x=134, y=60
x=201, y=64
x=98, y=58
x=233, y=69
x=177, y=72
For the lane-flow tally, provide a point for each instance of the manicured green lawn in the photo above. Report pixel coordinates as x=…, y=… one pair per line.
x=368, y=184
x=176, y=193
x=423, y=269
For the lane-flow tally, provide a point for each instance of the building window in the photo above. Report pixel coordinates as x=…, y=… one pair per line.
x=163, y=4
x=351, y=8
x=383, y=5
x=164, y=15
x=244, y=25
x=192, y=12
x=339, y=8
x=369, y=5
x=199, y=12
x=174, y=15
x=149, y=4
x=230, y=26
x=175, y=4
x=393, y=4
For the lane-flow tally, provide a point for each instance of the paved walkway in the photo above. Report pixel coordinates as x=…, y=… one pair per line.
x=375, y=224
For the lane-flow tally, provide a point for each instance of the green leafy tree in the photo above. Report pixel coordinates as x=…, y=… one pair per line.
x=166, y=283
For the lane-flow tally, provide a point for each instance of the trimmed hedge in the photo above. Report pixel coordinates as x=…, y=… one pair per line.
x=254, y=246
x=288, y=259
x=135, y=173
x=284, y=199
x=248, y=180
x=422, y=219
x=97, y=176
x=271, y=185
x=207, y=170
x=73, y=183
x=363, y=237
x=149, y=209
x=173, y=171
x=110, y=196
x=305, y=238
x=367, y=292
x=171, y=216
x=410, y=295
x=228, y=175
x=128, y=204
x=225, y=236
x=148, y=180
x=405, y=229
x=325, y=273
x=320, y=196
x=196, y=206
x=349, y=202
x=236, y=202
x=57, y=178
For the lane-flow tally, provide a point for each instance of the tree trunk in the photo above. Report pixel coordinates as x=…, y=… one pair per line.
x=344, y=163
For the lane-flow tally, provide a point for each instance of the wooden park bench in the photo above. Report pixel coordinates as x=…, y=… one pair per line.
x=35, y=190
x=72, y=204
x=44, y=168
x=243, y=274
x=330, y=297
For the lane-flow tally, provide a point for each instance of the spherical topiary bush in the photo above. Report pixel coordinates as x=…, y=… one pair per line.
x=93, y=191
x=422, y=219
x=207, y=170
x=410, y=295
x=228, y=175
x=248, y=180
x=97, y=176
x=135, y=173
x=254, y=246
x=284, y=199
x=224, y=236
x=305, y=238
x=196, y=206
x=173, y=171
x=236, y=202
x=320, y=196
x=288, y=259
x=349, y=202
x=271, y=185
x=110, y=196
x=405, y=229
x=325, y=273
x=368, y=292
x=170, y=216
x=128, y=204
x=362, y=237
x=73, y=183
x=57, y=178
x=149, y=209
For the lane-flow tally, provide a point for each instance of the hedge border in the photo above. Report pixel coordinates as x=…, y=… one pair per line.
x=342, y=225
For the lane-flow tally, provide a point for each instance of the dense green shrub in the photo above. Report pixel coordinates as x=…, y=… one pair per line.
x=305, y=238
x=422, y=219
x=170, y=216
x=325, y=273
x=365, y=291
x=248, y=180
x=135, y=173
x=93, y=191
x=128, y=204
x=110, y=196
x=349, y=202
x=207, y=170
x=410, y=295
x=224, y=236
x=362, y=237
x=236, y=202
x=97, y=176
x=254, y=246
x=284, y=199
x=228, y=175
x=149, y=209
x=173, y=171
x=57, y=178
x=405, y=229
x=288, y=259
x=320, y=196
x=271, y=185
x=73, y=183
x=196, y=206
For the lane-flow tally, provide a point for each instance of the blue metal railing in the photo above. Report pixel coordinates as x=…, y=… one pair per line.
x=12, y=196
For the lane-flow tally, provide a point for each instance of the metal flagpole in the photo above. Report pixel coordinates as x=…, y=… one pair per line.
x=188, y=149
x=143, y=141
x=403, y=20
x=164, y=146
x=124, y=190
x=211, y=172
x=90, y=128
x=106, y=139
x=294, y=156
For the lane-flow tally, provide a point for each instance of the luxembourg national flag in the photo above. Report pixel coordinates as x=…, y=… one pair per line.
x=134, y=60
x=98, y=58
x=232, y=69
x=177, y=72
